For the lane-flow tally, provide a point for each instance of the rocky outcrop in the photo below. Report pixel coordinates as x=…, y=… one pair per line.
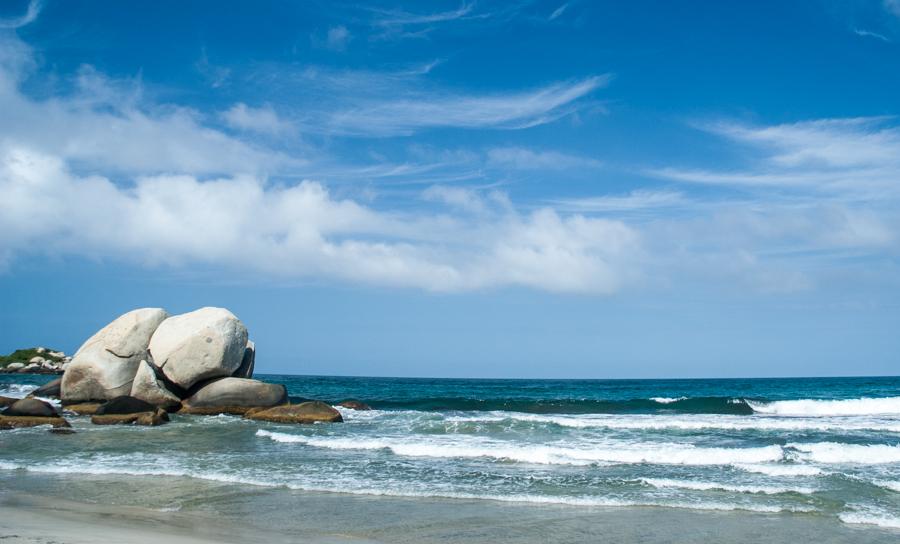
x=83, y=408
x=30, y=408
x=354, y=404
x=18, y=422
x=127, y=410
x=199, y=345
x=306, y=412
x=150, y=419
x=234, y=396
x=104, y=367
x=6, y=401
x=148, y=387
x=125, y=405
x=50, y=389
x=247, y=363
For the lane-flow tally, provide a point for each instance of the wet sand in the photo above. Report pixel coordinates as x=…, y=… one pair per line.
x=38, y=508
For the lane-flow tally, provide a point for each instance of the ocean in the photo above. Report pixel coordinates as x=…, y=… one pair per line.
x=822, y=448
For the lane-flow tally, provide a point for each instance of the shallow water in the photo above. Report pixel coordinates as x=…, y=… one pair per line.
x=823, y=449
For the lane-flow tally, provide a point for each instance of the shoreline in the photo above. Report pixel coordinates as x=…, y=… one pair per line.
x=39, y=508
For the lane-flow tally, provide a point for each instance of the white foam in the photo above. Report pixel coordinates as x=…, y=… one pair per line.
x=815, y=407
x=662, y=483
x=16, y=390
x=468, y=447
x=667, y=400
x=691, y=422
x=838, y=453
x=888, y=484
x=779, y=469
x=871, y=516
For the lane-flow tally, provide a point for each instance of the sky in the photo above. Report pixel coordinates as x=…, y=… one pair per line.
x=560, y=189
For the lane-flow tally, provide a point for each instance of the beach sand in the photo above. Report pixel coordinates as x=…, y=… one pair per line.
x=38, y=508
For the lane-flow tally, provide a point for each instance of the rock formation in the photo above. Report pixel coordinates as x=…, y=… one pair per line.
x=199, y=345
x=105, y=366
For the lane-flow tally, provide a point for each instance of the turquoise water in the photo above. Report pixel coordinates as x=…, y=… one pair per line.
x=819, y=447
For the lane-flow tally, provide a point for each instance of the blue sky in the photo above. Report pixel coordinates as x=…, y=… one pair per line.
x=516, y=189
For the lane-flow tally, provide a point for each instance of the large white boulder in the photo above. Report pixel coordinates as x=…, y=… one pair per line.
x=199, y=345
x=104, y=367
x=149, y=389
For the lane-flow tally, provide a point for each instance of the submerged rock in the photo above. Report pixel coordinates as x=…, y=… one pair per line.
x=306, y=412
x=104, y=367
x=149, y=388
x=199, y=345
x=234, y=396
x=354, y=404
x=30, y=408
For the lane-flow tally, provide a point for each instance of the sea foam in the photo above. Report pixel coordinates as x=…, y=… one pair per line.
x=814, y=407
x=665, y=454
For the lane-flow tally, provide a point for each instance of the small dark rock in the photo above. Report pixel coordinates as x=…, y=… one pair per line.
x=125, y=405
x=354, y=404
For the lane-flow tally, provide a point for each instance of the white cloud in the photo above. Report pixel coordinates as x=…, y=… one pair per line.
x=405, y=115
x=633, y=201
x=558, y=12
x=31, y=13
x=107, y=125
x=338, y=37
x=528, y=159
x=854, y=156
x=263, y=120
x=299, y=231
x=870, y=34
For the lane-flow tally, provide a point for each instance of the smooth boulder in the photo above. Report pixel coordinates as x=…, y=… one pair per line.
x=48, y=390
x=199, y=345
x=149, y=388
x=234, y=396
x=104, y=367
x=30, y=408
x=305, y=412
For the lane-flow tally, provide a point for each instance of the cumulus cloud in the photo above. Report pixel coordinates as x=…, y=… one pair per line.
x=300, y=231
x=263, y=119
x=106, y=125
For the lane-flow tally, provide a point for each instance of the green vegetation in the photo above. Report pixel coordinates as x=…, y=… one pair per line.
x=25, y=355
